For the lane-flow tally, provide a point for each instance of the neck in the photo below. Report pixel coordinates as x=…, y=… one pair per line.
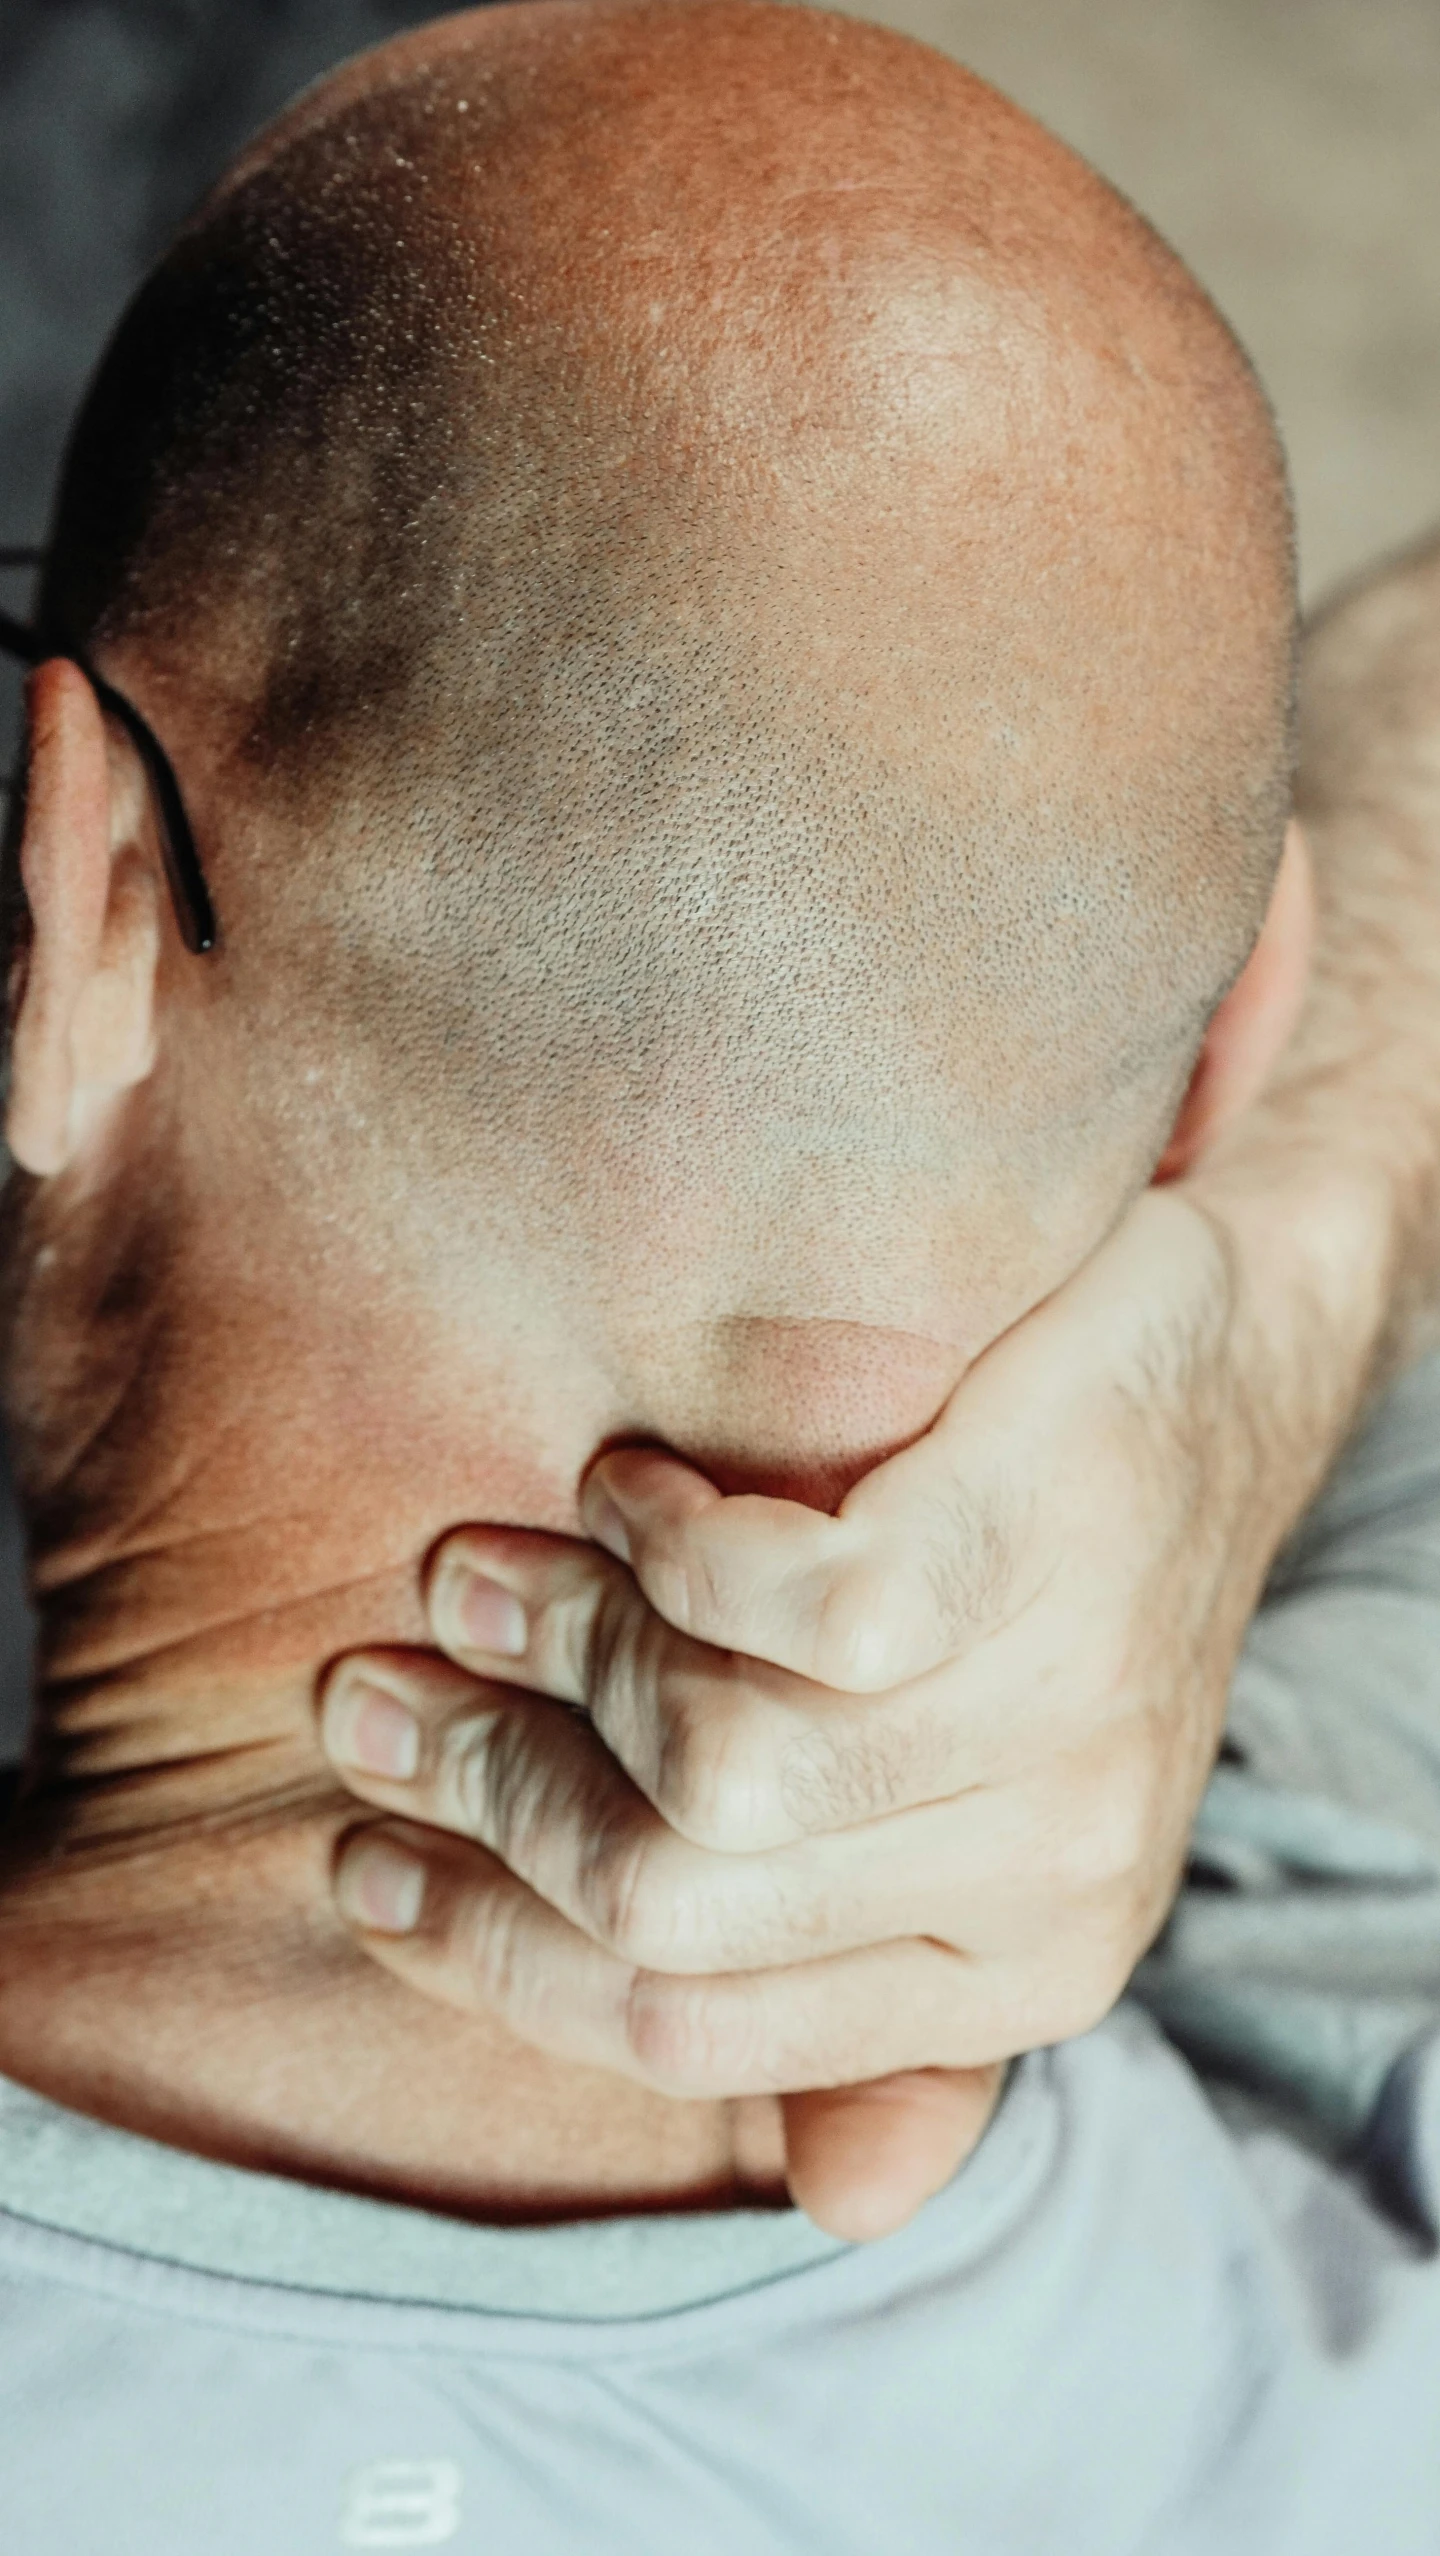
x=169, y=1961
x=220, y=1505
x=169, y=1956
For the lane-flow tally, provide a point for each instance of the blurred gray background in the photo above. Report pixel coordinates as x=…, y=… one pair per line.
x=1289, y=148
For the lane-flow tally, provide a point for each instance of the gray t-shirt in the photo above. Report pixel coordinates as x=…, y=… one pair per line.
x=1176, y=2305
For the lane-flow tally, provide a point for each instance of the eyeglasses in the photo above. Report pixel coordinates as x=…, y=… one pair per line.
x=189, y=892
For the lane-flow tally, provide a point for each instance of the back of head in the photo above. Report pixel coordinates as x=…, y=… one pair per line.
x=724, y=609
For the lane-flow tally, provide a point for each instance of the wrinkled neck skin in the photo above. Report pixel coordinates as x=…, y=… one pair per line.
x=231, y=1477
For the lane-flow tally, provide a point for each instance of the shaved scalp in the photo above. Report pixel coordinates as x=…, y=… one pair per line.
x=724, y=577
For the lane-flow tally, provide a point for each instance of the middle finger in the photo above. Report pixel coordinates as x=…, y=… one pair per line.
x=532, y=1783
x=736, y=1755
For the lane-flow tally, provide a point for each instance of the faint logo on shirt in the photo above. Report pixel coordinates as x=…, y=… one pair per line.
x=401, y=2502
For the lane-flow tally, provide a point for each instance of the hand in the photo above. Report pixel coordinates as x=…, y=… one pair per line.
x=864, y=1804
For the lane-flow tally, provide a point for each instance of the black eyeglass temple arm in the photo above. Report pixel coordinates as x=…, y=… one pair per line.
x=189, y=889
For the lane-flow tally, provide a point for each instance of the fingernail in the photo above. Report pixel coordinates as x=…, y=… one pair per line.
x=491, y=1618
x=604, y=1522
x=372, y=1731
x=377, y=1884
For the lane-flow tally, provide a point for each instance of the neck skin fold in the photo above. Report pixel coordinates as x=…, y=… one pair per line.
x=170, y=1961
x=169, y=1956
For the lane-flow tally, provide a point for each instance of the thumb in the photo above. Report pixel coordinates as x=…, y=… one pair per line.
x=860, y=2160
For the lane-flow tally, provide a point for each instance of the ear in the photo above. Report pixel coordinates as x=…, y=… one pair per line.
x=1256, y=1018
x=84, y=994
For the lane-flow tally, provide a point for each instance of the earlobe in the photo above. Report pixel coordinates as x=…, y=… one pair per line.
x=84, y=1024
x=1256, y=1018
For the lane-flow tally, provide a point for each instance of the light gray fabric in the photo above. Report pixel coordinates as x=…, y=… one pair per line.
x=1124, y=2330
x=61, y=2170
x=1150, y=2317
x=1305, y=1951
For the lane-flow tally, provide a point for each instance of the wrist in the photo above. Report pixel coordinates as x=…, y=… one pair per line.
x=1311, y=1239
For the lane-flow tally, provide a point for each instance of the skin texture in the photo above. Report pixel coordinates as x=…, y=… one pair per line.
x=319, y=1257
x=1269, y=1327
x=898, y=1871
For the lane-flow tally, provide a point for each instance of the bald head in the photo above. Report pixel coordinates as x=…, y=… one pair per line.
x=723, y=604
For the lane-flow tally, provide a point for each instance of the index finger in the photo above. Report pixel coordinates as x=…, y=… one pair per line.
x=917, y=1563
x=937, y=1548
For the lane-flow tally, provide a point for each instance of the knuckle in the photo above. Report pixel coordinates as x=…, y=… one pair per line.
x=714, y=1781
x=689, y=1589
x=464, y=1773
x=630, y=1907
x=685, y=2039
x=568, y=1636
x=686, y=1584
x=613, y=1645
x=705, y=1582
x=823, y=1780
x=488, y=1947
x=663, y=1716
x=865, y=1631
x=857, y=1765
x=893, y=1615
x=500, y=1788
x=967, y=1561
x=714, y=2038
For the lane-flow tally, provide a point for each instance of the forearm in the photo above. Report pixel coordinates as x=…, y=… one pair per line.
x=1330, y=1189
